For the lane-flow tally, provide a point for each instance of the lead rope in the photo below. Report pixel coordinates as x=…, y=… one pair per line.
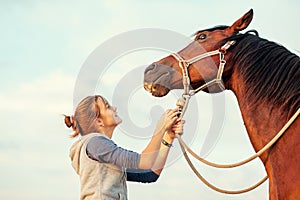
x=214, y=187
x=259, y=153
x=182, y=105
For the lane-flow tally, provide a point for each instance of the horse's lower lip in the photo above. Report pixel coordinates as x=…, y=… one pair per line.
x=156, y=89
x=160, y=86
x=148, y=87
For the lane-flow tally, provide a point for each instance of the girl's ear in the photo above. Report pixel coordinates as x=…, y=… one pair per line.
x=99, y=122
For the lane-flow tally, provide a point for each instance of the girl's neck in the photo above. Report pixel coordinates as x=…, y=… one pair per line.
x=107, y=130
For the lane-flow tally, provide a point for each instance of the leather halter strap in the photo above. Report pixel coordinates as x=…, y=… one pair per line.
x=185, y=63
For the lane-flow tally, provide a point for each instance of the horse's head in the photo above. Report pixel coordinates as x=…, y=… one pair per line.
x=166, y=74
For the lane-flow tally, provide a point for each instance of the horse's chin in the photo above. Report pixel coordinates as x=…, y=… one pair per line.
x=156, y=90
x=160, y=93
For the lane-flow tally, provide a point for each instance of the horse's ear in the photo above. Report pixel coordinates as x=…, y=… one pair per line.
x=242, y=23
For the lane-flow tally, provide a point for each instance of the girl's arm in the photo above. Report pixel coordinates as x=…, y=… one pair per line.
x=150, y=153
x=151, y=175
x=166, y=146
x=105, y=150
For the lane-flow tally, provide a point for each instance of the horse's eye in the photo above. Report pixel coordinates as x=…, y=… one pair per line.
x=201, y=37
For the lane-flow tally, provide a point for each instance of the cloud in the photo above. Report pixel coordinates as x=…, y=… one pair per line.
x=34, y=143
x=44, y=94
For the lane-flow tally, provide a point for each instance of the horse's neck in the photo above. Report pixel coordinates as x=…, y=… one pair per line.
x=261, y=123
x=262, y=120
x=282, y=159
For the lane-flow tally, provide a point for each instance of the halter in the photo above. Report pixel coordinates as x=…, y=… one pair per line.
x=185, y=63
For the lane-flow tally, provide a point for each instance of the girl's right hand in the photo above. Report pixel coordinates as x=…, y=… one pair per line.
x=167, y=120
x=177, y=128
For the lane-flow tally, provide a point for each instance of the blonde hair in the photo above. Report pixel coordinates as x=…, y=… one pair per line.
x=83, y=121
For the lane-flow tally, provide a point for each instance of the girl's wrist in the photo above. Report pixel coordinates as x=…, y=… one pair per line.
x=168, y=139
x=164, y=142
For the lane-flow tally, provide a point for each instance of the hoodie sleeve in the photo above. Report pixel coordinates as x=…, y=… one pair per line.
x=141, y=175
x=105, y=150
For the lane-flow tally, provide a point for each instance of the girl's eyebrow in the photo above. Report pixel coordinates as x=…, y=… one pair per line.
x=106, y=104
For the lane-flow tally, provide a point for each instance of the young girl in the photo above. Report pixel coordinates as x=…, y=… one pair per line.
x=104, y=167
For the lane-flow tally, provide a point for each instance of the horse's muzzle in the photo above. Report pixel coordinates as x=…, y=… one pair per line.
x=157, y=79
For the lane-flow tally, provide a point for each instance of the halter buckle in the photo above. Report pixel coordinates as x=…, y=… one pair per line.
x=226, y=46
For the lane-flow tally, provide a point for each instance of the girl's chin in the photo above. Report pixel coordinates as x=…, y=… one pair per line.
x=118, y=120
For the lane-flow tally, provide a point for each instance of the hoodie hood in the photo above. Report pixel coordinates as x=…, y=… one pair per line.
x=75, y=155
x=77, y=150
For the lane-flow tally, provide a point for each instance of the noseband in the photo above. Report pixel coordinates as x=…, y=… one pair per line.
x=185, y=63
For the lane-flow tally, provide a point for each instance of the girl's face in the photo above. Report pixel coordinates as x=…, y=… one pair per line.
x=109, y=114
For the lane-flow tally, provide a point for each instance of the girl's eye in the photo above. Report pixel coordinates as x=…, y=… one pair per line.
x=201, y=37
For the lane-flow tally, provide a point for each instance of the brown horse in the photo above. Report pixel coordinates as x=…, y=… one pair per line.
x=264, y=76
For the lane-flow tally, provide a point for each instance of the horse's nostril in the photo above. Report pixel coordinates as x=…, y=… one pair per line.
x=150, y=68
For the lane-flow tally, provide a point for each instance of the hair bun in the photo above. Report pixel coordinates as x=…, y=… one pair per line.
x=68, y=121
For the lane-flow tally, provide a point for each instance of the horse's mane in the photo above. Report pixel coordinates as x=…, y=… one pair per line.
x=270, y=71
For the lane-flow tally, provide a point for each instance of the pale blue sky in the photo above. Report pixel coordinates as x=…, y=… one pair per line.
x=43, y=46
